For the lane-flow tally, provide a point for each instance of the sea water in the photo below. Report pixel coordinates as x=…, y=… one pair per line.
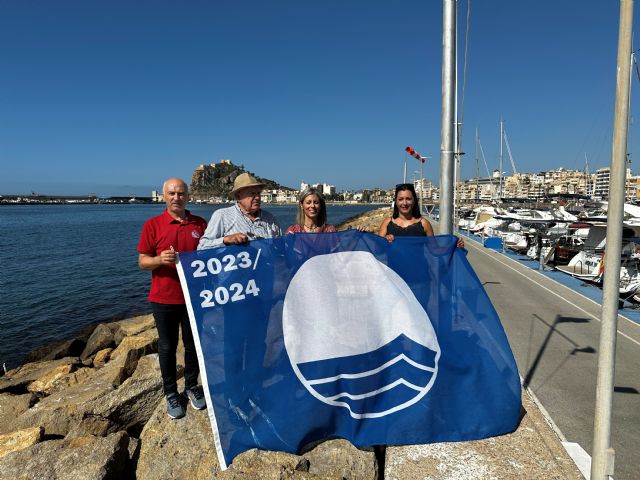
x=65, y=267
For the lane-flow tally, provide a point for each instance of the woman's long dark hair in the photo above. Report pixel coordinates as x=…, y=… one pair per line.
x=415, y=211
x=322, y=214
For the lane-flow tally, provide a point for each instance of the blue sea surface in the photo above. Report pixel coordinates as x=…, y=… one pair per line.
x=65, y=267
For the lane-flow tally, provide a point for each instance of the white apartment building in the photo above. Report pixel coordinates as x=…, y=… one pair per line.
x=601, y=188
x=323, y=188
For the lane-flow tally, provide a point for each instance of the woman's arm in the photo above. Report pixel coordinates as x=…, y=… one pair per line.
x=426, y=225
x=382, y=231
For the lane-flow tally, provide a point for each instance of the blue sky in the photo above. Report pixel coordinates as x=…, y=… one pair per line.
x=114, y=97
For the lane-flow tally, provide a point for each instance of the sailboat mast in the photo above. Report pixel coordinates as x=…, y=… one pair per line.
x=629, y=119
x=477, y=168
x=587, y=190
x=500, y=172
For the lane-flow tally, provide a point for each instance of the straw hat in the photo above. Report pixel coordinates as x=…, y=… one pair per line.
x=245, y=180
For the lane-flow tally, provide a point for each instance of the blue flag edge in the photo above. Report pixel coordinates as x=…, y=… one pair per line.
x=203, y=369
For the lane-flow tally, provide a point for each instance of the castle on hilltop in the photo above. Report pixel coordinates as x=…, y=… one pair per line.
x=213, y=182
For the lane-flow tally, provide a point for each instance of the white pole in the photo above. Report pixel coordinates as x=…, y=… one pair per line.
x=603, y=454
x=404, y=178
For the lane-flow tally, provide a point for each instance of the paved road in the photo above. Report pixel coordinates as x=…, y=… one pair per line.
x=554, y=334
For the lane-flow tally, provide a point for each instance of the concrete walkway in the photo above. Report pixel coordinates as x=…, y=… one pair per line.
x=533, y=451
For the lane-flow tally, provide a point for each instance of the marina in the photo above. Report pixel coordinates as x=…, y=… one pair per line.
x=569, y=241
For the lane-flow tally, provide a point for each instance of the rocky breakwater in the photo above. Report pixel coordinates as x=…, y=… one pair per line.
x=92, y=407
x=369, y=221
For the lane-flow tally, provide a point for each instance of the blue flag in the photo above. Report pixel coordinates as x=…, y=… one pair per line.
x=313, y=336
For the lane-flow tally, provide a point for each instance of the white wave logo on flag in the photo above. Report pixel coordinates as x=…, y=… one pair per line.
x=363, y=343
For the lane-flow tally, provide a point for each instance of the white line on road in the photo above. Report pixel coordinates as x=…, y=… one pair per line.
x=557, y=294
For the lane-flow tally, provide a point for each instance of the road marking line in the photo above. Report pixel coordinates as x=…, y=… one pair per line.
x=560, y=296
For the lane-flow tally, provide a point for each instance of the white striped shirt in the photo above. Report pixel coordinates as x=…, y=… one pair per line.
x=227, y=221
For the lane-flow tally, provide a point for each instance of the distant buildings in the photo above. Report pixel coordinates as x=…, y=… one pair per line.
x=534, y=186
x=538, y=186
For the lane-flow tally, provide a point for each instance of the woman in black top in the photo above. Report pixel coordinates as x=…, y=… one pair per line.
x=406, y=220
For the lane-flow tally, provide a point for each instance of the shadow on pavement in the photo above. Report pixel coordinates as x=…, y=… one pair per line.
x=553, y=330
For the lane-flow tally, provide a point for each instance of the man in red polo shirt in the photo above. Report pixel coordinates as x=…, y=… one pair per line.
x=174, y=230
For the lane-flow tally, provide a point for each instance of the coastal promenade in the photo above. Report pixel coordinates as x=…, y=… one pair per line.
x=554, y=334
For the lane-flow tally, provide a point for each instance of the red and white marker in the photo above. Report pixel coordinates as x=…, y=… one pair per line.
x=415, y=154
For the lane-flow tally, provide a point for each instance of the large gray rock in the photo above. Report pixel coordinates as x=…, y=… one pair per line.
x=12, y=406
x=124, y=359
x=142, y=344
x=16, y=380
x=45, y=383
x=54, y=383
x=117, y=371
x=333, y=459
x=97, y=405
x=267, y=465
x=102, y=357
x=147, y=367
x=89, y=425
x=133, y=326
x=62, y=410
x=84, y=458
x=133, y=403
x=340, y=457
x=19, y=440
x=172, y=449
x=65, y=348
x=101, y=338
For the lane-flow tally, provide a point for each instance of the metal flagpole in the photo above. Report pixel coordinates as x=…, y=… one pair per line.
x=603, y=454
x=448, y=99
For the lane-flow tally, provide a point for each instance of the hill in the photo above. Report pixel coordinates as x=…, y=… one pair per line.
x=216, y=180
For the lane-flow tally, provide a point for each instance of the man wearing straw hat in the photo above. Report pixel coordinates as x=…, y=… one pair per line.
x=243, y=221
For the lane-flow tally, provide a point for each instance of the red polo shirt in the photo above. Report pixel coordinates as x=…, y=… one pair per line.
x=161, y=233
